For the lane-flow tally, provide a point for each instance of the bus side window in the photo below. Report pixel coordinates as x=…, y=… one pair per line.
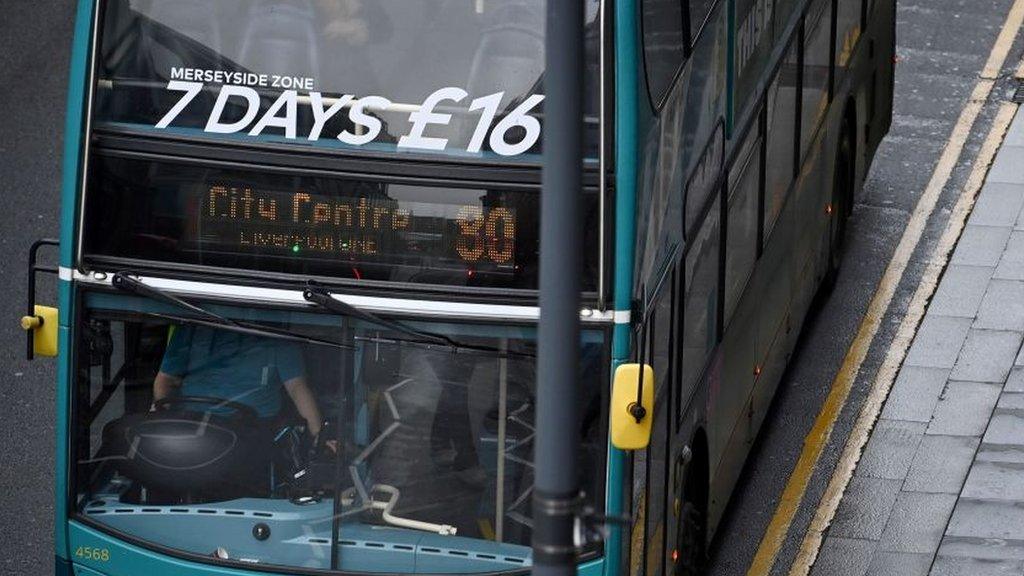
x=741, y=224
x=817, y=70
x=781, y=136
x=848, y=31
x=700, y=315
x=665, y=43
x=660, y=345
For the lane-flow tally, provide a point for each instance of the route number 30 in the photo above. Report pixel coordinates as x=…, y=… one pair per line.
x=95, y=554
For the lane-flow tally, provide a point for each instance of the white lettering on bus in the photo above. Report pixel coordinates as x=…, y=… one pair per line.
x=237, y=107
x=751, y=31
x=359, y=116
x=289, y=100
x=191, y=90
x=321, y=116
x=426, y=116
x=252, y=102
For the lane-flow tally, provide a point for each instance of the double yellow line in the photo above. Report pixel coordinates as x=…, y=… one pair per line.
x=816, y=440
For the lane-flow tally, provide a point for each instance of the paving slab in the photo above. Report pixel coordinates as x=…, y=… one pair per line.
x=1009, y=453
x=941, y=464
x=1006, y=427
x=844, y=557
x=995, y=481
x=891, y=449
x=1015, y=382
x=965, y=409
x=938, y=342
x=953, y=566
x=996, y=519
x=982, y=548
x=981, y=245
x=987, y=356
x=1011, y=400
x=998, y=204
x=1002, y=307
x=1006, y=167
x=865, y=508
x=917, y=523
x=916, y=392
x=900, y=564
x=962, y=289
x=1011, y=263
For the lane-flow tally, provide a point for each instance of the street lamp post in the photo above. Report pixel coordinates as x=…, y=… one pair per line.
x=556, y=483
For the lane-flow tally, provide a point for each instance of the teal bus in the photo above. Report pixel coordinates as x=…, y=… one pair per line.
x=297, y=272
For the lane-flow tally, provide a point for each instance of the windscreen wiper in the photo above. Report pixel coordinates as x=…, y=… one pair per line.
x=124, y=282
x=322, y=297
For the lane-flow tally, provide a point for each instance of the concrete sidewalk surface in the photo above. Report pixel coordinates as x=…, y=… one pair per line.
x=939, y=488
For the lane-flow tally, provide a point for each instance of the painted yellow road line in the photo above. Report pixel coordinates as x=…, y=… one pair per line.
x=816, y=440
x=901, y=343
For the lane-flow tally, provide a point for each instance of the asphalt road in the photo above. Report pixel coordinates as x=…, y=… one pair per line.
x=942, y=47
x=35, y=37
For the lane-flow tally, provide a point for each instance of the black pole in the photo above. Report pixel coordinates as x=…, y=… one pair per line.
x=556, y=486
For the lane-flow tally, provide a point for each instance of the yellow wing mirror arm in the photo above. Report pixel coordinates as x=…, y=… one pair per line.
x=632, y=406
x=40, y=323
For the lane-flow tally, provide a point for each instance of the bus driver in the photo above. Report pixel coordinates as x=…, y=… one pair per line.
x=251, y=370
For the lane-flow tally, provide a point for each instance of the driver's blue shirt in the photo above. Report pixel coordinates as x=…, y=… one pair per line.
x=232, y=366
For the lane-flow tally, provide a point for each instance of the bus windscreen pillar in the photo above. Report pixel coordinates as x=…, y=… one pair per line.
x=556, y=487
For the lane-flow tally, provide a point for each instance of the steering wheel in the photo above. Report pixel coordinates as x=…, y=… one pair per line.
x=237, y=409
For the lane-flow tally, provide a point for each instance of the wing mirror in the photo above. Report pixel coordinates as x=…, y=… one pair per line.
x=40, y=323
x=632, y=409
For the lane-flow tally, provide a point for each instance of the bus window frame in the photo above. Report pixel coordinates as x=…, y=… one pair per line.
x=596, y=550
x=690, y=40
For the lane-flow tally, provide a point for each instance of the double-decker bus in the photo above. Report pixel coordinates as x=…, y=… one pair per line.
x=298, y=272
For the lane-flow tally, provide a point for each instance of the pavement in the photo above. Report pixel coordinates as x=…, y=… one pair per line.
x=939, y=488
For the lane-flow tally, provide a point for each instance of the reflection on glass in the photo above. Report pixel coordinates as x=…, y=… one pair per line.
x=376, y=454
x=360, y=70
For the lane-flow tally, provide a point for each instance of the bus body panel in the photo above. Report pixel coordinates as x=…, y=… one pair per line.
x=75, y=120
x=762, y=330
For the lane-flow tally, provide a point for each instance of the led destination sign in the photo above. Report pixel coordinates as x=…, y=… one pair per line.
x=171, y=212
x=357, y=227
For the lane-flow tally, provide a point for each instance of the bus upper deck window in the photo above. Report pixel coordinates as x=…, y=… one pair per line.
x=664, y=39
x=461, y=79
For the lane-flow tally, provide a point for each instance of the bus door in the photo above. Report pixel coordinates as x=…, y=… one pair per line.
x=651, y=468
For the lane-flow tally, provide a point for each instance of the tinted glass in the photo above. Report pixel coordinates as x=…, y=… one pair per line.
x=741, y=229
x=311, y=225
x=847, y=34
x=664, y=44
x=817, y=70
x=781, y=148
x=457, y=77
x=700, y=318
x=387, y=457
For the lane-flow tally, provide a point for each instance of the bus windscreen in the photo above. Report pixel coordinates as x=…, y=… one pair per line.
x=323, y=226
x=454, y=78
